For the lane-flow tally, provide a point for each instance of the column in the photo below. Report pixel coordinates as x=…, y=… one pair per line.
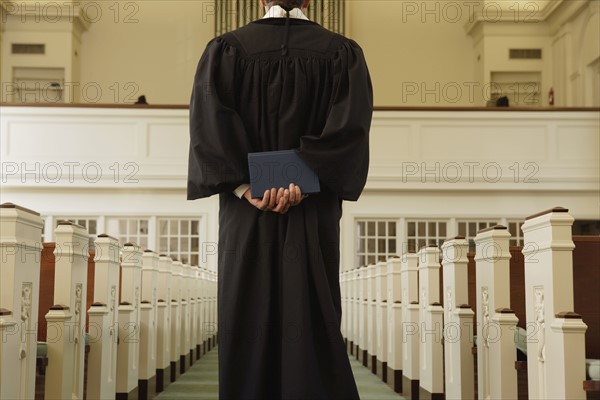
x=343, y=330
x=204, y=309
x=502, y=354
x=364, y=329
x=410, y=325
x=193, y=312
x=458, y=334
x=569, y=339
x=184, y=329
x=431, y=349
x=381, y=319
x=9, y=353
x=148, y=318
x=61, y=378
x=462, y=385
x=201, y=309
x=129, y=322
x=215, y=306
x=64, y=375
x=175, y=319
x=163, y=330
x=371, y=321
x=351, y=308
x=20, y=250
x=493, y=292
x=104, y=318
x=548, y=255
x=198, y=297
x=393, y=317
x=357, y=311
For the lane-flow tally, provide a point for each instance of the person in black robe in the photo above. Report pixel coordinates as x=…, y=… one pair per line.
x=280, y=84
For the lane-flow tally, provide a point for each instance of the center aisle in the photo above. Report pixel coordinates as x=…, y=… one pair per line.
x=201, y=382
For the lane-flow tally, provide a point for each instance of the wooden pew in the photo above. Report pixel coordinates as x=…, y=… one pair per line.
x=586, y=283
x=72, y=285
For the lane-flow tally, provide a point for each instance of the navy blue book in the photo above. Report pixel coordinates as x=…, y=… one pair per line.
x=275, y=169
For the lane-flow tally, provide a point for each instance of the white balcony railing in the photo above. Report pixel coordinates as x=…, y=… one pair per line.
x=410, y=148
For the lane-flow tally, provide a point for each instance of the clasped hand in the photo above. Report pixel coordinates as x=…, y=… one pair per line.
x=277, y=200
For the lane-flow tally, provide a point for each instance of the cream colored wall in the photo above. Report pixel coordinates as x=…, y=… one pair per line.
x=152, y=49
x=410, y=52
x=419, y=53
x=157, y=56
x=576, y=41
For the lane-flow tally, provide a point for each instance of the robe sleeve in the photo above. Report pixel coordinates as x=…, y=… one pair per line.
x=340, y=154
x=219, y=145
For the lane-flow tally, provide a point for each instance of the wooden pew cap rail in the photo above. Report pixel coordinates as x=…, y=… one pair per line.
x=104, y=235
x=591, y=386
x=11, y=205
x=493, y=228
x=552, y=210
x=4, y=311
x=69, y=223
x=504, y=311
x=59, y=307
x=568, y=315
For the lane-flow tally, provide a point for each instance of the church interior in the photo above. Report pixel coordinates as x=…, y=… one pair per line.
x=469, y=267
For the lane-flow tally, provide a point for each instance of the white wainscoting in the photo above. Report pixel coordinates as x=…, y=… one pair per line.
x=480, y=150
x=454, y=150
x=127, y=147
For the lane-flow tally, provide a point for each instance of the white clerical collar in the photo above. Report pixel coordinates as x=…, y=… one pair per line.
x=278, y=12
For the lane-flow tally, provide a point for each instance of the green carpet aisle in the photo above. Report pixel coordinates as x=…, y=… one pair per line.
x=201, y=382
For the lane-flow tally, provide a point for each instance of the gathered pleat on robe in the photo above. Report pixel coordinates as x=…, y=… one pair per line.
x=279, y=308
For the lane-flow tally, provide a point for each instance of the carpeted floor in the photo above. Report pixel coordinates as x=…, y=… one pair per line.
x=201, y=382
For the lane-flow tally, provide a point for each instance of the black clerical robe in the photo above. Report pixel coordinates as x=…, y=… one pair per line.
x=261, y=88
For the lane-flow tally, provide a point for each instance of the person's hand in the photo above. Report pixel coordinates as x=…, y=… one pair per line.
x=273, y=200
x=296, y=196
x=277, y=200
